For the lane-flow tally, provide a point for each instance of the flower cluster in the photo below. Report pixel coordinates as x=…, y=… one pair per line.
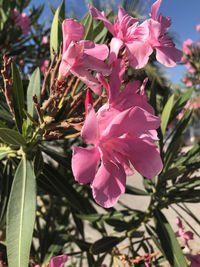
x=22, y=20
x=190, y=59
x=123, y=131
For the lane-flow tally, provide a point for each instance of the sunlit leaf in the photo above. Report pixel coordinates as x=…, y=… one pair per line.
x=166, y=114
x=21, y=215
x=169, y=243
x=33, y=89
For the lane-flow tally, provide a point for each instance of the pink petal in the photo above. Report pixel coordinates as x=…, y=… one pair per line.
x=103, y=81
x=188, y=235
x=58, y=261
x=64, y=70
x=101, y=16
x=134, y=121
x=116, y=77
x=84, y=163
x=115, y=45
x=90, y=62
x=154, y=9
x=144, y=157
x=168, y=56
x=90, y=130
x=138, y=53
x=72, y=31
x=99, y=51
x=73, y=53
x=108, y=184
x=129, y=98
x=165, y=22
x=178, y=222
x=121, y=13
x=86, y=77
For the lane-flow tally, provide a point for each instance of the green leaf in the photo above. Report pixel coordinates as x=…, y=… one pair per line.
x=17, y=96
x=62, y=11
x=12, y=137
x=180, y=104
x=33, y=89
x=21, y=215
x=55, y=34
x=135, y=191
x=105, y=244
x=169, y=243
x=6, y=183
x=88, y=24
x=166, y=114
x=52, y=9
x=174, y=145
x=38, y=163
x=5, y=151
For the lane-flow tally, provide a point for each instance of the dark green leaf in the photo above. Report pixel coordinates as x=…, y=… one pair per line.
x=12, y=137
x=33, y=89
x=135, y=191
x=6, y=183
x=38, y=163
x=169, y=243
x=105, y=244
x=17, y=96
x=21, y=215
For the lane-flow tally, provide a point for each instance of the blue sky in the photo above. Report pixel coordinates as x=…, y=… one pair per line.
x=185, y=16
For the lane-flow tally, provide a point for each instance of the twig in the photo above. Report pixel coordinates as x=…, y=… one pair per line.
x=37, y=107
x=6, y=64
x=46, y=76
x=75, y=87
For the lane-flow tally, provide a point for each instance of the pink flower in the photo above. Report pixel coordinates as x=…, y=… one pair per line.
x=58, y=261
x=125, y=32
x=186, y=45
x=194, y=260
x=198, y=27
x=189, y=83
x=22, y=20
x=79, y=56
x=44, y=66
x=181, y=233
x=166, y=53
x=122, y=131
x=45, y=39
x=140, y=40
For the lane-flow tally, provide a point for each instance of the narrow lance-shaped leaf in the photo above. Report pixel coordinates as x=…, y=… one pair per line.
x=17, y=96
x=56, y=33
x=11, y=137
x=166, y=114
x=88, y=24
x=33, y=89
x=169, y=243
x=180, y=104
x=21, y=215
x=105, y=244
